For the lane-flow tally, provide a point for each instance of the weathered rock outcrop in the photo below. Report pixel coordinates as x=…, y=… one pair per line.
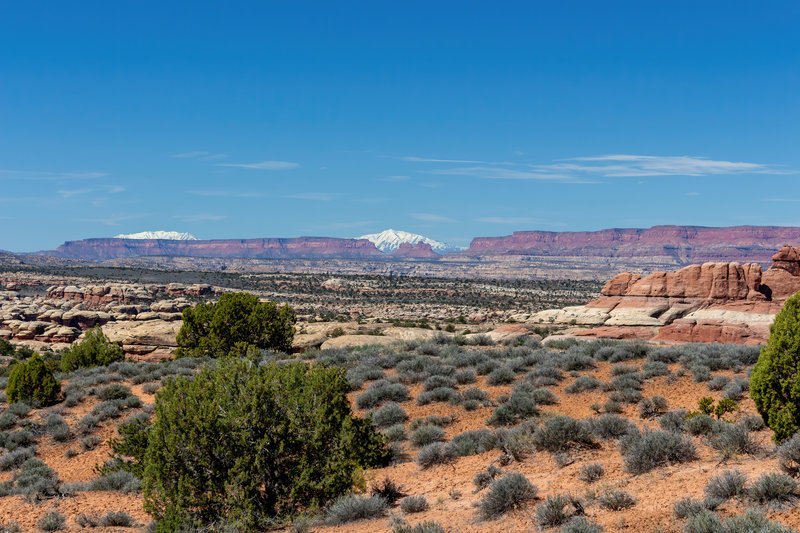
x=712, y=302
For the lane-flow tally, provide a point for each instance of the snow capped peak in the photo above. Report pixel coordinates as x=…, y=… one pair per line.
x=390, y=240
x=163, y=235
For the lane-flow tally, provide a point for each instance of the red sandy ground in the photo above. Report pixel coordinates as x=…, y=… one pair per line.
x=449, y=489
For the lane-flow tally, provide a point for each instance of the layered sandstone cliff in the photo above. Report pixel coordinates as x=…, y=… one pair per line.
x=685, y=244
x=300, y=247
x=712, y=302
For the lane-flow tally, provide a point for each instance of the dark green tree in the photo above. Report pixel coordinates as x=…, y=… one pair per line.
x=238, y=319
x=775, y=381
x=94, y=350
x=32, y=381
x=251, y=444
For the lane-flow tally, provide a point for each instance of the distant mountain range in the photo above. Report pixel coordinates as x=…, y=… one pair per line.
x=522, y=254
x=390, y=240
x=160, y=235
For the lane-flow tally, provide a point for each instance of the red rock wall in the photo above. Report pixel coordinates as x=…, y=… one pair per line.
x=688, y=243
x=301, y=247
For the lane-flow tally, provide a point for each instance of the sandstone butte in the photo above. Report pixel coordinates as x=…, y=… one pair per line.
x=685, y=243
x=712, y=302
x=420, y=250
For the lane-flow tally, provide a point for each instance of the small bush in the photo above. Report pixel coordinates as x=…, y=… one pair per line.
x=116, y=518
x=652, y=407
x=789, y=456
x=733, y=440
x=15, y=459
x=591, y=472
x=653, y=449
x=718, y=382
x=500, y=376
x=752, y=423
x=381, y=391
x=464, y=377
x=773, y=489
x=736, y=389
x=414, y=504
x=612, y=406
x=616, y=500
x=555, y=510
x=7, y=420
x=429, y=526
x=686, y=507
x=57, y=428
x=609, y=426
x=32, y=381
x=52, y=521
x=115, y=391
x=439, y=394
x=395, y=433
x=512, y=491
x=389, y=415
x=673, y=421
x=352, y=507
x=727, y=485
x=474, y=442
x=435, y=454
x=561, y=433
x=701, y=425
x=543, y=396
x=582, y=384
x=580, y=524
x=427, y=434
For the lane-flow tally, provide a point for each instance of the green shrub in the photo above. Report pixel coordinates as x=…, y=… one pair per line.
x=238, y=320
x=775, y=380
x=31, y=380
x=269, y=441
x=556, y=510
x=580, y=524
x=435, y=454
x=94, y=350
x=591, y=472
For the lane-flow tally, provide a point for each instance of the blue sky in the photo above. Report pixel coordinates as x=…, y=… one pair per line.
x=450, y=119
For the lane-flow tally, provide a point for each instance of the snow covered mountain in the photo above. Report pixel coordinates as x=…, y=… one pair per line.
x=165, y=235
x=390, y=240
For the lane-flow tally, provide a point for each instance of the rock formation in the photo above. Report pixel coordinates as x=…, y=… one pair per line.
x=301, y=247
x=420, y=250
x=712, y=302
x=685, y=244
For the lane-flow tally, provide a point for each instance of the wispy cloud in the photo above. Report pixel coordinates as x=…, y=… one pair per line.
x=493, y=173
x=227, y=193
x=626, y=165
x=262, y=165
x=200, y=218
x=430, y=217
x=50, y=176
x=73, y=192
x=317, y=196
x=506, y=220
x=200, y=156
x=414, y=159
x=594, y=169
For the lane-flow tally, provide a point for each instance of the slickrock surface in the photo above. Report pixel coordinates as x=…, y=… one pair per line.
x=712, y=302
